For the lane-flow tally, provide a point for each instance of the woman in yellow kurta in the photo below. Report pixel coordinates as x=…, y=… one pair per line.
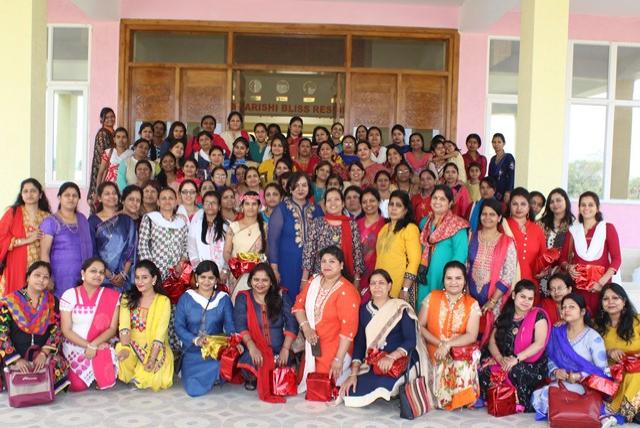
x=619, y=325
x=144, y=355
x=398, y=247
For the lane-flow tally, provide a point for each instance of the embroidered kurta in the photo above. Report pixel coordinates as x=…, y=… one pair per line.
x=481, y=255
x=504, y=172
x=398, y=254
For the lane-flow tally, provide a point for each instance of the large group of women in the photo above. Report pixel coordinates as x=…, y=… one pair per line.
x=363, y=246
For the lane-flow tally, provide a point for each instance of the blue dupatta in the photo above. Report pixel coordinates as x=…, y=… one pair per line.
x=562, y=354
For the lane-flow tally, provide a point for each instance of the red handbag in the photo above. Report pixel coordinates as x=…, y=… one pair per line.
x=397, y=369
x=284, y=382
x=568, y=409
x=229, y=357
x=464, y=353
x=501, y=397
x=320, y=387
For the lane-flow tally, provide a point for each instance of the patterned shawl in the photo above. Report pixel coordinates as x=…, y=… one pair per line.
x=29, y=319
x=449, y=225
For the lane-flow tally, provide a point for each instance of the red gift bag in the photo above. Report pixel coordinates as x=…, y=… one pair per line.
x=229, y=371
x=587, y=275
x=175, y=285
x=320, y=387
x=284, y=382
x=501, y=396
x=238, y=266
x=397, y=369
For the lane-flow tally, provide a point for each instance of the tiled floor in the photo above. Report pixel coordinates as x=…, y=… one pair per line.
x=228, y=406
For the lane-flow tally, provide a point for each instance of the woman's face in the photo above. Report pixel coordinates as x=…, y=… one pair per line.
x=304, y=149
x=439, y=150
x=416, y=143
x=39, y=279
x=330, y=266
x=296, y=128
x=449, y=147
x=167, y=201
x=427, y=182
x=450, y=175
x=260, y=283
x=486, y=191
x=109, y=120
x=141, y=150
x=30, y=194
x=189, y=169
x=240, y=175
x=379, y=286
x=93, y=276
x=147, y=133
x=281, y=168
x=216, y=157
x=403, y=174
x=558, y=289
x=219, y=177
x=397, y=210
x=228, y=200
x=168, y=164
x=144, y=280
x=277, y=149
x=612, y=303
x=321, y=136
x=300, y=189
x=536, y=204
x=206, y=282
x=397, y=137
x=337, y=131
x=374, y=138
x=519, y=207
x=250, y=208
x=132, y=203
x=252, y=178
x=352, y=202
x=361, y=133
x=364, y=152
x=150, y=195
x=178, y=150
x=240, y=150
x=498, y=145
x=143, y=173
x=393, y=157
x=159, y=130
x=122, y=142
x=235, y=124
x=588, y=208
x=261, y=134
x=489, y=218
x=334, y=204
x=473, y=145
x=334, y=183
x=355, y=173
x=474, y=173
x=439, y=203
x=383, y=183
x=211, y=206
x=325, y=152
x=272, y=197
x=348, y=146
x=205, y=143
x=323, y=173
x=570, y=311
x=524, y=300
x=109, y=197
x=370, y=204
x=557, y=204
x=206, y=186
x=454, y=281
x=69, y=199
x=188, y=194
x=178, y=132
x=208, y=124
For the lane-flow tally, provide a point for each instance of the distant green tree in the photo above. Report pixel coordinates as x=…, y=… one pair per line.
x=634, y=188
x=585, y=175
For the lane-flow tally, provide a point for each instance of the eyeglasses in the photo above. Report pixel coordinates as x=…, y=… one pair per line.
x=220, y=175
x=188, y=192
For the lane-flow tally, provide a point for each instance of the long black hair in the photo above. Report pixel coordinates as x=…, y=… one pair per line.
x=162, y=176
x=596, y=199
x=273, y=299
x=408, y=217
x=133, y=295
x=503, y=323
x=263, y=236
x=293, y=119
x=218, y=222
x=628, y=316
x=338, y=254
x=547, y=217
x=43, y=202
x=247, y=156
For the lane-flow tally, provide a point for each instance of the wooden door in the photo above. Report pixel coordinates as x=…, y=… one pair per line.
x=423, y=102
x=203, y=91
x=152, y=96
x=373, y=98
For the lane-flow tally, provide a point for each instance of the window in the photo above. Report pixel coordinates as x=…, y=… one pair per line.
x=191, y=48
x=320, y=51
x=502, y=98
x=604, y=121
x=66, y=104
x=394, y=53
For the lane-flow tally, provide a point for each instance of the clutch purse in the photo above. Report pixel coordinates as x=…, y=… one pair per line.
x=464, y=353
x=396, y=370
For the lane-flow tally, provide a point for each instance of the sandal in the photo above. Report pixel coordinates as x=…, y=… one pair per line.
x=250, y=384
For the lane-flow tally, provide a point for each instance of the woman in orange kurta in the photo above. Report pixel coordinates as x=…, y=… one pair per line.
x=449, y=319
x=327, y=312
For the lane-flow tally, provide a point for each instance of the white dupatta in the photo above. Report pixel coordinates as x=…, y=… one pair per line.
x=593, y=250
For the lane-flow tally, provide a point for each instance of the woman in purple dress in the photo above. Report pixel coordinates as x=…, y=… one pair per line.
x=67, y=240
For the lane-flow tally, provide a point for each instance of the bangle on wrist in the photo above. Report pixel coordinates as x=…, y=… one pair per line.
x=90, y=346
x=340, y=360
x=303, y=323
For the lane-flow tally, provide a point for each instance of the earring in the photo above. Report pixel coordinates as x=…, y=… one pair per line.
x=197, y=285
x=82, y=278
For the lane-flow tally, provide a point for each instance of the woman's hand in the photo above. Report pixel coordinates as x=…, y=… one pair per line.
x=90, y=352
x=283, y=357
x=33, y=237
x=123, y=354
x=349, y=384
x=310, y=334
x=23, y=365
x=336, y=369
x=39, y=362
x=178, y=268
x=117, y=280
x=443, y=351
x=571, y=270
x=509, y=363
x=256, y=355
x=561, y=374
x=574, y=377
x=151, y=365
x=385, y=363
x=616, y=355
x=488, y=307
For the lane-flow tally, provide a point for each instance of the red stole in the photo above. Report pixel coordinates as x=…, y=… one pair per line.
x=103, y=367
x=346, y=240
x=263, y=374
x=15, y=271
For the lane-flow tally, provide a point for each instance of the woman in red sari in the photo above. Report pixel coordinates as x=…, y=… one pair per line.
x=528, y=236
x=369, y=224
x=20, y=234
x=591, y=252
x=327, y=312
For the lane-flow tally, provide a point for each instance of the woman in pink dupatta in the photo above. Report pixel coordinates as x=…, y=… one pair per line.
x=516, y=350
x=89, y=320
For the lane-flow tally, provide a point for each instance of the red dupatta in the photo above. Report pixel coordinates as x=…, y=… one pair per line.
x=346, y=240
x=449, y=225
x=12, y=227
x=263, y=373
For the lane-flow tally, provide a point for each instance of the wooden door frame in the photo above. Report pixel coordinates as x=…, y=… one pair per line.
x=129, y=26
